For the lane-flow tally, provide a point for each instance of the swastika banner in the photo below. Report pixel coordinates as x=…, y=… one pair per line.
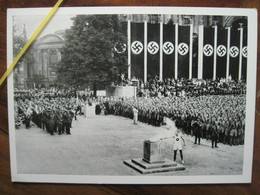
x=244, y=55
x=208, y=51
x=168, y=50
x=234, y=53
x=153, y=53
x=120, y=49
x=183, y=51
x=221, y=52
x=137, y=50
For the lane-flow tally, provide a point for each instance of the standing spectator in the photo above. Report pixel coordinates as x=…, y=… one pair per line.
x=214, y=136
x=67, y=123
x=197, y=132
x=51, y=121
x=233, y=136
x=226, y=133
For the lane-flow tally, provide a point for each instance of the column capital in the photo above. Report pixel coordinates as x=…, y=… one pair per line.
x=146, y=17
x=191, y=21
x=241, y=26
x=160, y=18
x=228, y=27
x=129, y=17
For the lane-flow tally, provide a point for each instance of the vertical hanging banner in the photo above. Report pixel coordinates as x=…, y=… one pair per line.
x=120, y=48
x=244, y=54
x=137, y=50
x=129, y=76
x=168, y=50
x=195, y=47
x=208, y=50
x=153, y=54
x=234, y=53
x=183, y=52
x=221, y=53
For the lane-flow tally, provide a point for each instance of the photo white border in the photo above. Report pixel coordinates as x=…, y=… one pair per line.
x=144, y=179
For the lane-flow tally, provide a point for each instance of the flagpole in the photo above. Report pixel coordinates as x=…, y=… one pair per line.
x=161, y=49
x=215, y=50
x=129, y=46
x=228, y=48
x=191, y=48
x=240, y=51
x=145, y=49
x=176, y=50
x=200, y=50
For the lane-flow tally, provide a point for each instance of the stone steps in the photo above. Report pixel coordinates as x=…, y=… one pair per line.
x=145, y=168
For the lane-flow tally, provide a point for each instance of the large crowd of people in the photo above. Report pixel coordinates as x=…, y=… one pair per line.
x=201, y=108
x=51, y=113
x=190, y=87
x=45, y=92
x=185, y=87
x=198, y=116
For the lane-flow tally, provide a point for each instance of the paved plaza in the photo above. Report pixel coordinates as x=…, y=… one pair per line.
x=99, y=145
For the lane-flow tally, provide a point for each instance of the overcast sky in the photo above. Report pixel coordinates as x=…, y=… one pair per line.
x=58, y=22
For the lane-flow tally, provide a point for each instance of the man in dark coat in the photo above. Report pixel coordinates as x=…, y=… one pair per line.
x=197, y=132
x=59, y=120
x=214, y=136
x=51, y=121
x=67, y=121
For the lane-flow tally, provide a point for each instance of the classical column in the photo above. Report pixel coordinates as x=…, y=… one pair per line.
x=200, y=49
x=145, y=49
x=45, y=58
x=191, y=48
x=176, y=49
x=215, y=50
x=240, y=51
x=129, y=46
x=161, y=50
x=228, y=48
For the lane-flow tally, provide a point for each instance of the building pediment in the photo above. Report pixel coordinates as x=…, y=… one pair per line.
x=50, y=38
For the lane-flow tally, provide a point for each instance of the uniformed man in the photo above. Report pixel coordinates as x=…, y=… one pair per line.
x=214, y=136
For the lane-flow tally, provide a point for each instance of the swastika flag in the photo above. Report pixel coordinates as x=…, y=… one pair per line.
x=137, y=50
x=183, y=51
x=221, y=52
x=153, y=50
x=244, y=54
x=168, y=50
x=208, y=50
x=234, y=52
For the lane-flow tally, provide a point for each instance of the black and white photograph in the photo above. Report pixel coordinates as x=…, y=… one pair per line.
x=132, y=95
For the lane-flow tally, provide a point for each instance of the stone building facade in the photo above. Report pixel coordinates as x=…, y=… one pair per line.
x=40, y=64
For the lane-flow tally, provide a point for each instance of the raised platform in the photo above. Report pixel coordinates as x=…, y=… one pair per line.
x=145, y=168
x=146, y=165
x=121, y=91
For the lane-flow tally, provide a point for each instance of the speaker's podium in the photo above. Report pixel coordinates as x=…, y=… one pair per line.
x=153, y=159
x=89, y=111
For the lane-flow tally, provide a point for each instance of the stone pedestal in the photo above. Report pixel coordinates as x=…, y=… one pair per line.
x=89, y=111
x=153, y=152
x=153, y=159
